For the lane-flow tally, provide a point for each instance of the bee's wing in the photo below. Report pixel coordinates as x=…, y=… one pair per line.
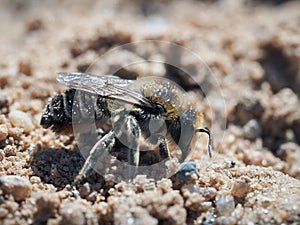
x=108, y=86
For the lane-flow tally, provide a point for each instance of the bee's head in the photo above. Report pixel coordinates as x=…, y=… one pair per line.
x=166, y=96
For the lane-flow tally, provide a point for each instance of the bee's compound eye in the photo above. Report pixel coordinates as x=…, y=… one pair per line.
x=159, y=109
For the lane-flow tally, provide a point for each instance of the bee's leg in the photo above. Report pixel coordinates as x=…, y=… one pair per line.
x=164, y=151
x=134, y=145
x=106, y=143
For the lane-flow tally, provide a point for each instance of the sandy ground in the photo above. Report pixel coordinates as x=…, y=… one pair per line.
x=253, y=51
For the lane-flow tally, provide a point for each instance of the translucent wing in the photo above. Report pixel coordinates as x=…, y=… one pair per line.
x=108, y=86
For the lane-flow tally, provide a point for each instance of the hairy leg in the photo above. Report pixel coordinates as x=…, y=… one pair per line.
x=106, y=143
x=134, y=140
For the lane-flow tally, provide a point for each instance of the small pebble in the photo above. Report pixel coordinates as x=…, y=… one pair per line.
x=92, y=196
x=3, y=101
x=109, y=180
x=289, y=152
x=25, y=68
x=3, y=80
x=46, y=205
x=2, y=154
x=252, y=129
x=193, y=188
x=34, y=24
x=3, y=132
x=11, y=207
x=209, y=193
x=186, y=174
x=241, y=187
x=10, y=150
x=224, y=204
x=19, y=187
x=232, y=163
x=35, y=179
x=21, y=119
x=85, y=190
x=226, y=220
x=3, y=213
x=265, y=201
x=164, y=184
x=149, y=187
x=72, y=213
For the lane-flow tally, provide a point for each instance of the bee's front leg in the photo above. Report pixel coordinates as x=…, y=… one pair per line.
x=134, y=143
x=105, y=144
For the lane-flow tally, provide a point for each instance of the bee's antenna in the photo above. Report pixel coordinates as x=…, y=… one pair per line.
x=210, y=138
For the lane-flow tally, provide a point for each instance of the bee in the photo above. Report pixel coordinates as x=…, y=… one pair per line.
x=146, y=113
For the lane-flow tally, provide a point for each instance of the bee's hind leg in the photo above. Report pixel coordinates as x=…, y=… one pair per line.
x=105, y=144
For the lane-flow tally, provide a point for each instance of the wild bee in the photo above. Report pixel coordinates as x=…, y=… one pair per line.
x=148, y=113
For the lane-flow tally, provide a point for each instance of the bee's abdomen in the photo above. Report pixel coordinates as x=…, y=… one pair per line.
x=57, y=115
x=73, y=106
